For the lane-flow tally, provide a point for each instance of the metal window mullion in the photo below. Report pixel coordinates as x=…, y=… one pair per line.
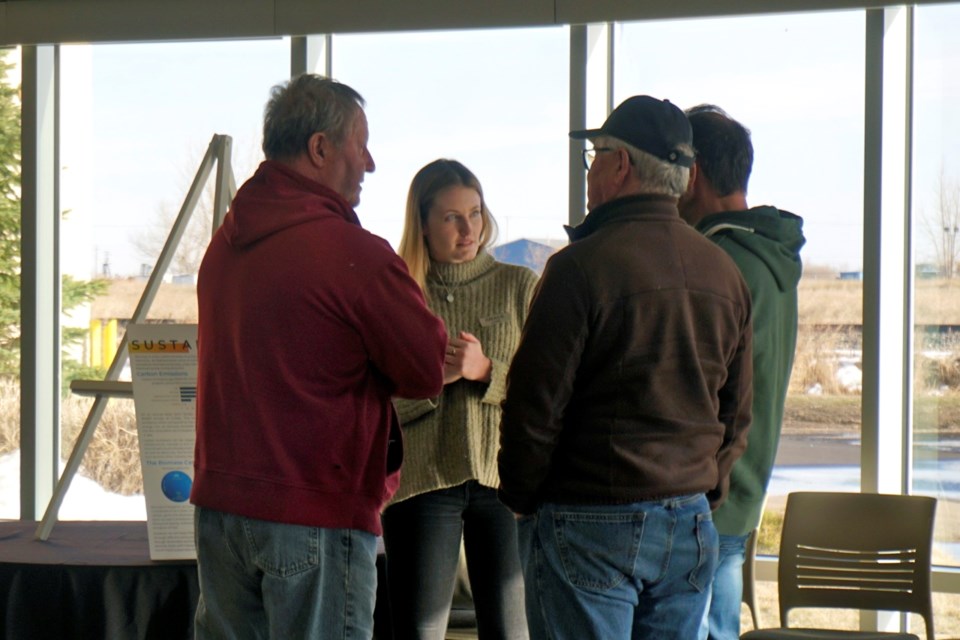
x=910, y=262
x=591, y=100
x=886, y=253
x=39, y=281
x=311, y=54
x=886, y=288
x=577, y=190
x=906, y=437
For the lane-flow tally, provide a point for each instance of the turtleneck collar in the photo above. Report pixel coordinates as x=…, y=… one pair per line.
x=462, y=272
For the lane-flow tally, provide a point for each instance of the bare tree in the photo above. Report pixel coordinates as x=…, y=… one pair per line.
x=193, y=243
x=942, y=227
x=196, y=237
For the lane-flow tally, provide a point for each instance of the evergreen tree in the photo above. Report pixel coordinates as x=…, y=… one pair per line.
x=9, y=224
x=75, y=292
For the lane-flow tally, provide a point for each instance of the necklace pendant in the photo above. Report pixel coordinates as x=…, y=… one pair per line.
x=449, y=297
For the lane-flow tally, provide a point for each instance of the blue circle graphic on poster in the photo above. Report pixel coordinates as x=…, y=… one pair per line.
x=176, y=486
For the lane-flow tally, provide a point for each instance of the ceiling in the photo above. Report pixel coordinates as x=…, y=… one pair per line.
x=72, y=21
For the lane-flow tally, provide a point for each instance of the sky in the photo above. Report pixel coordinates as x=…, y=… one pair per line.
x=138, y=118
x=796, y=81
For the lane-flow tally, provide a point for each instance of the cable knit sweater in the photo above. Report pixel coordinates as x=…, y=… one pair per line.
x=454, y=438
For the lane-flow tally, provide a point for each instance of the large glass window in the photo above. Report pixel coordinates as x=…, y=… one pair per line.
x=140, y=119
x=496, y=100
x=155, y=108
x=136, y=122
x=936, y=211
x=797, y=82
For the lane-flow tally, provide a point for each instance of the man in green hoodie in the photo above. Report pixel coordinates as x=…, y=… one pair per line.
x=765, y=243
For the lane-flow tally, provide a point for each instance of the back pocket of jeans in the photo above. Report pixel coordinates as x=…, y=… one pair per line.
x=598, y=550
x=709, y=543
x=283, y=550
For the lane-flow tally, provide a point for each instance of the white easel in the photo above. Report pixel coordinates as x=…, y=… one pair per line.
x=218, y=153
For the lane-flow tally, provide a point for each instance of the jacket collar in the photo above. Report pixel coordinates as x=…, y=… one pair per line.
x=646, y=206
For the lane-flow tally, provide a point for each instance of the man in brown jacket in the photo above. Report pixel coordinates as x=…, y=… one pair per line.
x=628, y=399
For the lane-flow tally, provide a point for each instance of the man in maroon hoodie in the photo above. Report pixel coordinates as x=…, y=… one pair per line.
x=308, y=325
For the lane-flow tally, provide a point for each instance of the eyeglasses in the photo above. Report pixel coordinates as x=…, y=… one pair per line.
x=590, y=154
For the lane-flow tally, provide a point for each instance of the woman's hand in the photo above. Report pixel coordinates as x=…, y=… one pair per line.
x=465, y=359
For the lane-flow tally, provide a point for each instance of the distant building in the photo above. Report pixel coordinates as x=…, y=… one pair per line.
x=110, y=313
x=851, y=275
x=526, y=253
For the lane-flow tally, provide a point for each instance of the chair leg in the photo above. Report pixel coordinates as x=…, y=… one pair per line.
x=749, y=579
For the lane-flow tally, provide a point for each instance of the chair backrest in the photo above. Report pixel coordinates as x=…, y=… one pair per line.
x=857, y=551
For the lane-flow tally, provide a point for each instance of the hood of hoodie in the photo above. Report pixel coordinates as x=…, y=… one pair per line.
x=772, y=235
x=275, y=198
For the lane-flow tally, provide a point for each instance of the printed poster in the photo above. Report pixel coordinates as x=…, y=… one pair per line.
x=163, y=365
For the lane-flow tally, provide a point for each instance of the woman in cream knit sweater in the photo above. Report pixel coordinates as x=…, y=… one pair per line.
x=449, y=478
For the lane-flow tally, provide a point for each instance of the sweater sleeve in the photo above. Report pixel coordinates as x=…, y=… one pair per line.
x=410, y=410
x=497, y=387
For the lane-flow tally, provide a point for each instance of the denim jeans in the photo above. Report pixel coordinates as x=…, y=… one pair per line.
x=261, y=579
x=726, y=592
x=638, y=570
x=422, y=539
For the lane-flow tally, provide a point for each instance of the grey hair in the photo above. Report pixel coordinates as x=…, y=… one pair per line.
x=658, y=176
x=305, y=105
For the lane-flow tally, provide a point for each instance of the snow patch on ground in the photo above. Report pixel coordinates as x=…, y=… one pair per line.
x=85, y=499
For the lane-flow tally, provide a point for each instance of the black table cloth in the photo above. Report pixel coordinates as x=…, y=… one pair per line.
x=92, y=580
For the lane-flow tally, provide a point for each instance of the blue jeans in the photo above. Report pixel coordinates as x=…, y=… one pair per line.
x=600, y=572
x=422, y=539
x=726, y=593
x=261, y=579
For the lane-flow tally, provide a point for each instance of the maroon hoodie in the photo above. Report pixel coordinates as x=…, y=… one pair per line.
x=308, y=325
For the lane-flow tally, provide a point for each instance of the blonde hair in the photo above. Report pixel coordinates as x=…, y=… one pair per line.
x=430, y=181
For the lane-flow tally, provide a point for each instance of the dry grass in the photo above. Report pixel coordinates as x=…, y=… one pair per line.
x=815, y=360
x=840, y=302
x=830, y=301
x=933, y=373
x=830, y=313
x=112, y=458
x=938, y=301
x=9, y=416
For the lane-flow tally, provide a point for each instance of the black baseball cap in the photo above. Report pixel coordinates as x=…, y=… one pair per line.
x=655, y=126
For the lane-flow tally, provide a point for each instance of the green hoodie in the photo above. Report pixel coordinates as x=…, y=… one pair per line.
x=765, y=243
